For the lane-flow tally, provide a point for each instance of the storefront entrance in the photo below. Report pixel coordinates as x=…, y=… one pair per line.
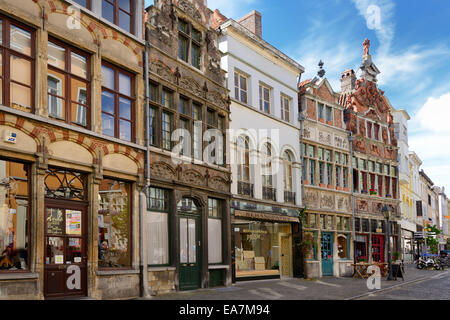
x=65, y=257
x=189, y=234
x=377, y=248
x=285, y=258
x=327, y=254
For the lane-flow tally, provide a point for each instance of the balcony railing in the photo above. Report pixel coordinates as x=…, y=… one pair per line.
x=289, y=196
x=245, y=189
x=269, y=193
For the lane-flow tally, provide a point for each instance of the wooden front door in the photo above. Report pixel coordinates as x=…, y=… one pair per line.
x=65, y=256
x=327, y=254
x=377, y=248
x=285, y=255
x=189, y=252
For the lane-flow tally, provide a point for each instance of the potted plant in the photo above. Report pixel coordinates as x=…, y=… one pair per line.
x=395, y=255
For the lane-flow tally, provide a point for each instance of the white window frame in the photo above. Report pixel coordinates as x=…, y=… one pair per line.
x=59, y=106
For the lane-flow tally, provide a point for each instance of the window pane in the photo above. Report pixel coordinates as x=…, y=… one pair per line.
x=55, y=250
x=243, y=83
x=107, y=102
x=158, y=238
x=79, y=65
x=108, y=11
x=197, y=112
x=196, y=35
x=125, y=21
x=73, y=222
x=166, y=130
x=20, y=97
x=192, y=242
x=79, y=114
x=183, y=241
x=183, y=47
x=214, y=241
x=73, y=250
x=56, y=56
x=154, y=92
x=108, y=126
x=125, y=5
x=196, y=56
x=183, y=26
x=14, y=215
x=125, y=130
x=20, y=40
x=79, y=91
x=184, y=106
x=20, y=70
x=167, y=99
x=125, y=108
x=114, y=224
x=81, y=2
x=108, y=77
x=124, y=84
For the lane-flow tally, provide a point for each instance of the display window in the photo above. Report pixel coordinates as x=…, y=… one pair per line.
x=258, y=247
x=114, y=224
x=14, y=216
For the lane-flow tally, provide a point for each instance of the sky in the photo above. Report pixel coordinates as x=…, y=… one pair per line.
x=410, y=44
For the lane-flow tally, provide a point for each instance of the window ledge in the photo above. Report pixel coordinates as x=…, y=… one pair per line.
x=116, y=272
x=18, y=276
x=156, y=269
x=215, y=267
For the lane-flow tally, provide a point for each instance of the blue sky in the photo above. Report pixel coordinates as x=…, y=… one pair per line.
x=410, y=44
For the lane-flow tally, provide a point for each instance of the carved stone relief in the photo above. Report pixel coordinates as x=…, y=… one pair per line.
x=163, y=170
x=325, y=137
x=327, y=201
x=362, y=205
x=343, y=204
x=312, y=198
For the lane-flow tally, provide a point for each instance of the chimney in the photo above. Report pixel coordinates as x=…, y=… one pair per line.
x=348, y=79
x=252, y=22
x=217, y=19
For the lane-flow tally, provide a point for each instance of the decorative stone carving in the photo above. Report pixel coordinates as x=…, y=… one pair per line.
x=376, y=207
x=162, y=70
x=189, y=8
x=360, y=146
x=306, y=133
x=362, y=128
x=342, y=204
x=325, y=137
x=362, y=205
x=327, y=201
x=163, y=170
x=312, y=198
x=217, y=98
x=384, y=135
x=192, y=85
x=193, y=177
x=218, y=183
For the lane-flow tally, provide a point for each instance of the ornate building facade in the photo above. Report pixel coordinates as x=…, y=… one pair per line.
x=326, y=178
x=368, y=115
x=188, y=218
x=72, y=148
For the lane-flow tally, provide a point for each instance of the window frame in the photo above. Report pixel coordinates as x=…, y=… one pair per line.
x=5, y=53
x=285, y=111
x=191, y=42
x=262, y=100
x=68, y=76
x=117, y=9
x=117, y=95
x=238, y=89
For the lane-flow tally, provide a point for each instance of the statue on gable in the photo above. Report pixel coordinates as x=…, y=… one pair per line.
x=366, y=45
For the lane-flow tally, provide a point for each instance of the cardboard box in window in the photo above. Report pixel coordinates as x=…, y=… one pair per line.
x=249, y=264
x=249, y=254
x=260, y=266
x=260, y=260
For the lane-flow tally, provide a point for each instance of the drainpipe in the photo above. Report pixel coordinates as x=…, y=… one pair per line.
x=301, y=118
x=143, y=283
x=350, y=140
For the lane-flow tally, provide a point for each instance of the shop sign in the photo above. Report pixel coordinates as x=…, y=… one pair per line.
x=265, y=216
x=379, y=230
x=10, y=137
x=254, y=234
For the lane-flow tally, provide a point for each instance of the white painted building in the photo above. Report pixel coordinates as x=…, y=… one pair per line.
x=264, y=110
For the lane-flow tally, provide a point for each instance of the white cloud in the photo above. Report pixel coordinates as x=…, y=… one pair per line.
x=430, y=138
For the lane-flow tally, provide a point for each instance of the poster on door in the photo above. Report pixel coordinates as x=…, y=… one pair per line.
x=73, y=222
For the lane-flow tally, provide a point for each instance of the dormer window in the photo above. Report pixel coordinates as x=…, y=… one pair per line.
x=189, y=43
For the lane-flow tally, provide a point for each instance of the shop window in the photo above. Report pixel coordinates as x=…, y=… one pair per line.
x=68, y=84
x=119, y=12
x=215, y=209
x=158, y=227
x=16, y=65
x=14, y=216
x=117, y=103
x=257, y=247
x=361, y=245
x=114, y=224
x=342, y=246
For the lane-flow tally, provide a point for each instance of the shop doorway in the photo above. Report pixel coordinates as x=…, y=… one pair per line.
x=377, y=248
x=327, y=254
x=65, y=256
x=285, y=255
x=189, y=234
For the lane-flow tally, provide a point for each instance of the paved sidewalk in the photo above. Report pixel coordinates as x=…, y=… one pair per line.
x=301, y=289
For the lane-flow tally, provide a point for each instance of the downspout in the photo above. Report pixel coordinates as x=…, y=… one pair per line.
x=301, y=118
x=143, y=283
x=350, y=140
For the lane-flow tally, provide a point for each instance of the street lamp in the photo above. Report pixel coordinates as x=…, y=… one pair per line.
x=386, y=211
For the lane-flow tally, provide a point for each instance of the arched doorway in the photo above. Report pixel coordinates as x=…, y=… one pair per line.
x=189, y=222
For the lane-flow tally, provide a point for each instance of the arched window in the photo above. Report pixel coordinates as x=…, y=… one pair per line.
x=266, y=167
x=287, y=166
x=243, y=159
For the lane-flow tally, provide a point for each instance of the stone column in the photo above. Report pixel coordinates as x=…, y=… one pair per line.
x=296, y=183
x=94, y=181
x=40, y=92
x=38, y=222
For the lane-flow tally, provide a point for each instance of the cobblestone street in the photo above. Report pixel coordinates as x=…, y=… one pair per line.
x=435, y=285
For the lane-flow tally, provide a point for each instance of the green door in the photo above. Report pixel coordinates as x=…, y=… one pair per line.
x=327, y=254
x=189, y=252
